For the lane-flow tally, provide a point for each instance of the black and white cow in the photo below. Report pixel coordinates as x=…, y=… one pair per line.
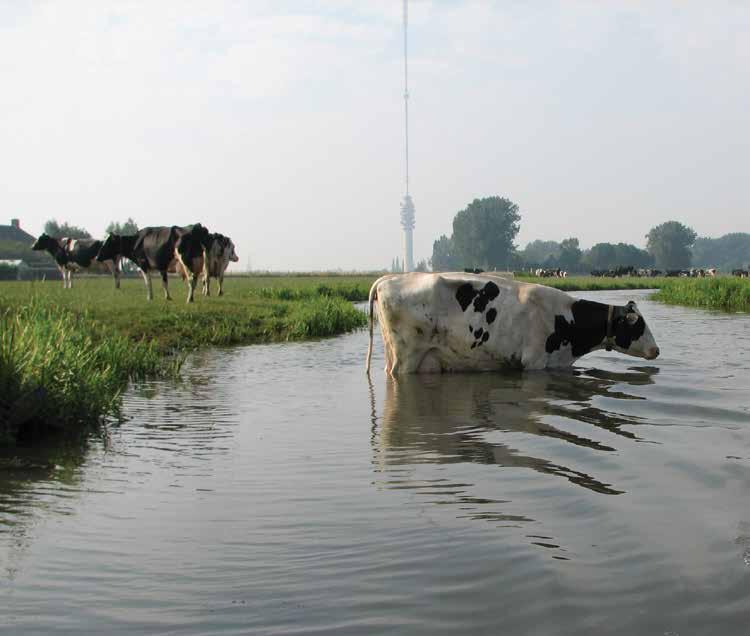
x=462, y=322
x=163, y=249
x=73, y=255
x=219, y=253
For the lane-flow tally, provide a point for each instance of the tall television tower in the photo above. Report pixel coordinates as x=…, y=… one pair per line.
x=407, y=206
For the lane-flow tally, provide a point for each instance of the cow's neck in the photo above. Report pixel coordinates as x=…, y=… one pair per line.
x=587, y=331
x=127, y=245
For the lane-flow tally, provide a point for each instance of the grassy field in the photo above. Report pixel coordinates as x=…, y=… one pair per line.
x=66, y=355
x=725, y=292
x=591, y=283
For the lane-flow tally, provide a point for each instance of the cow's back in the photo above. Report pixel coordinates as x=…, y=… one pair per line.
x=154, y=248
x=451, y=321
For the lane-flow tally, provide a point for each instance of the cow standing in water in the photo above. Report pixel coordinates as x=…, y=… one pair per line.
x=463, y=322
x=162, y=249
x=72, y=255
x=218, y=255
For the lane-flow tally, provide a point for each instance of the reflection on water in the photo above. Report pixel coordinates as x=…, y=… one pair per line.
x=448, y=419
x=274, y=489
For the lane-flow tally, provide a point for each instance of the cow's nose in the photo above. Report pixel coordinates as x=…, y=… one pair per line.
x=653, y=353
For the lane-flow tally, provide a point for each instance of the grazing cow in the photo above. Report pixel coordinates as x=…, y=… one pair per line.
x=162, y=249
x=463, y=322
x=218, y=254
x=72, y=255
x=711, y=272
x=741, y=273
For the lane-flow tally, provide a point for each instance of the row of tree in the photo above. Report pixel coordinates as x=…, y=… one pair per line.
x=16, y=250
x=484, y=234
x=58, y=230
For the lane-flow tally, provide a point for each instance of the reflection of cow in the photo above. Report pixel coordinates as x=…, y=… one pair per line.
x=457, y=322
x=72, y=255
x=219, y=253
x=462, y=418
x=162, y=249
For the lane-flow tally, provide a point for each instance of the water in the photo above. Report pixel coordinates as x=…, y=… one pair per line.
x=275, y=491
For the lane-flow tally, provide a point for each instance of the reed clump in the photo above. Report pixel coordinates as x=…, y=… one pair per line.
x=726, y=293
x=59, y=369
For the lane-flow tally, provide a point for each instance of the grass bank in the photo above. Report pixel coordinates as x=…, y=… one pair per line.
x=725, y=292
x=591, y=283
x=67, y=355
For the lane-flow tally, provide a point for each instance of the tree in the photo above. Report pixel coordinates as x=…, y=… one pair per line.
x=601, y=256
x=610, y=256
x=443, y=257
x=128, y=227
x=570, y=255
x=538, y=252
x=728, y=252
x=670, y=244
x=59, y=230
x=421, y=266
x=484, y=232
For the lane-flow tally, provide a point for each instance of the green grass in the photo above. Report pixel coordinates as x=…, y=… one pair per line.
x=724, y=292
x=72, y=352
x=58, y=369
x=591, y=283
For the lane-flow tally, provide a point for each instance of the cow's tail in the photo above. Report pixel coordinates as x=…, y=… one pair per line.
x=371, y=318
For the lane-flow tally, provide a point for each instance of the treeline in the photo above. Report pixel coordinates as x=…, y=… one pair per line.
x=15, y=250
x=484, y=234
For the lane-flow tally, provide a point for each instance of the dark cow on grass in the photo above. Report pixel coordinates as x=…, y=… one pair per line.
x=72, y=255
x=464, y=322
x=162, y=249
x=219, y=253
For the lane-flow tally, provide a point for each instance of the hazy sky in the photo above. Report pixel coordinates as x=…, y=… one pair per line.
x=281, y=123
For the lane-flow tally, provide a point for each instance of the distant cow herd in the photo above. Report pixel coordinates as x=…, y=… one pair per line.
x=693, y=272
x=191, y=251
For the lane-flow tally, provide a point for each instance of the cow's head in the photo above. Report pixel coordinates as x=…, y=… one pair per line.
x=631, y=333
x=229, y=249
x=45, y=242
x=109, y=249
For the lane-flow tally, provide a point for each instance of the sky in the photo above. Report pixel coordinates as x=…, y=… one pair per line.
x=281, y=124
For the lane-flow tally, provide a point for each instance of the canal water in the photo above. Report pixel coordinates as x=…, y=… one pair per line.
x=274, y=490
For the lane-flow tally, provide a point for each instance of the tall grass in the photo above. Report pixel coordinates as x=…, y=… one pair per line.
x=725, y=292
x=58, y=369
x=66, y=355
x=323, y=316
x=347, y=291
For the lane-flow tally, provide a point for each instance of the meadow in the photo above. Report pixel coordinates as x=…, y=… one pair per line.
x=726, y=293
x=591, y=283
x=67, y=355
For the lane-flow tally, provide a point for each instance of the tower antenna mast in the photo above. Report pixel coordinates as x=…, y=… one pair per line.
x=407, y=206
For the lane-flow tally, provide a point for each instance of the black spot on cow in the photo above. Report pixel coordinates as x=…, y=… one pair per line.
x=471, y=329
x=488, y=293
x=465, y=295
x=419, y=331
x=478, y=333
x=588, y=328
x=486, y=336
x=491, y=315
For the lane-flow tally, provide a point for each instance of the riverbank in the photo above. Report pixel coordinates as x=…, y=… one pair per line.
x=591, y=283
x=66, y=355
x=725, y=293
